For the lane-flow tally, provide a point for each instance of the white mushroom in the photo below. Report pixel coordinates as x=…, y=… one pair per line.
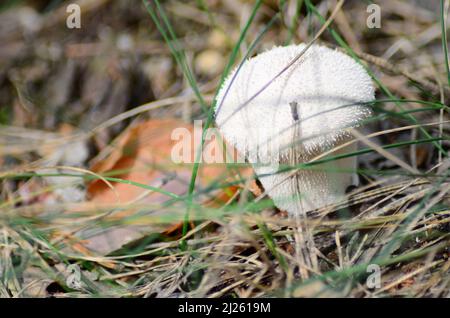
x=303, y=113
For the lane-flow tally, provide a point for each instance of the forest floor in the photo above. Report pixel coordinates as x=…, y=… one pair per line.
x=92, y=205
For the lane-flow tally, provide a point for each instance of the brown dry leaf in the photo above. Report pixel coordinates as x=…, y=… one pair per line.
x=142, y=154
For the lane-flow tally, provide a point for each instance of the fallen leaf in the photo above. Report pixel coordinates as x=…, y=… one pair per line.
x=142, y=155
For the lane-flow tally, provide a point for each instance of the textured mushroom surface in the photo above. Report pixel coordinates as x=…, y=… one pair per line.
x=301, y=114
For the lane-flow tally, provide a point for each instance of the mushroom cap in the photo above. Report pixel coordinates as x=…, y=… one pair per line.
x=326, y=86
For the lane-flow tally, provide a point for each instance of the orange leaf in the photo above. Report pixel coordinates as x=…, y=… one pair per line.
x=142, y=154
